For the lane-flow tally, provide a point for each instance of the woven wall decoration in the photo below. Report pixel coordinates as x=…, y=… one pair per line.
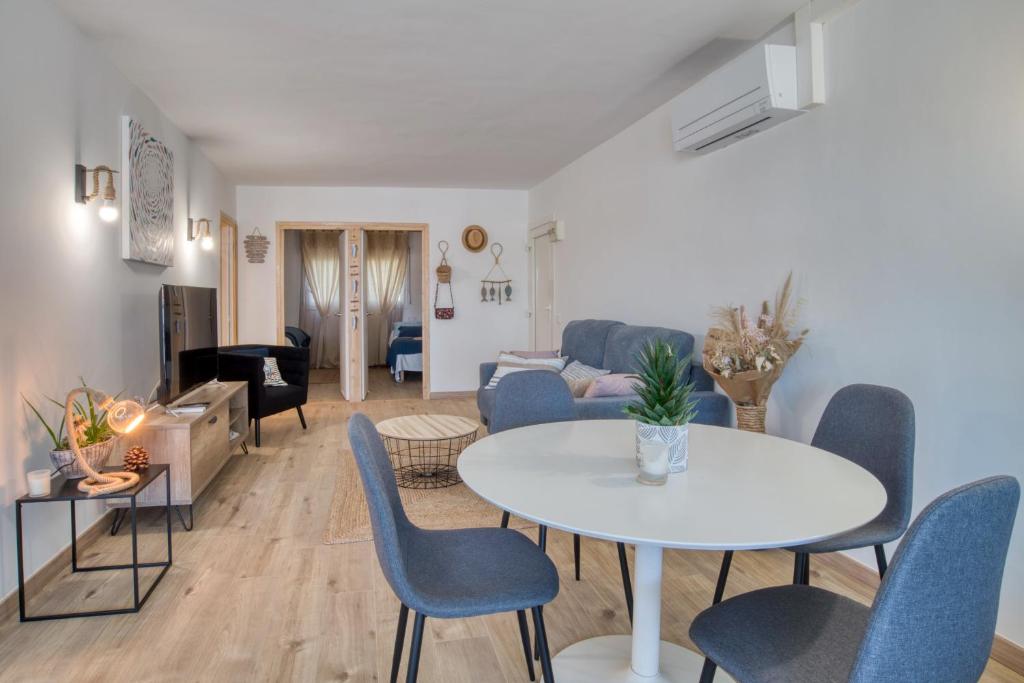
x=444, y=307
x=496, y=281
x=256, y=246
x=148, y=186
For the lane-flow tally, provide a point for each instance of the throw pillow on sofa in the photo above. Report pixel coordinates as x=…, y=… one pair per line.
x=509, y=363
x=271, y=374
x=579, y=376
x=611, y=385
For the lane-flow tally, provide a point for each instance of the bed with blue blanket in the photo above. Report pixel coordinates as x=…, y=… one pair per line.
x=405, y=349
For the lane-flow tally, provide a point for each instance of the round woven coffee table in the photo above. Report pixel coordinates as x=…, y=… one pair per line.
x=424, y=448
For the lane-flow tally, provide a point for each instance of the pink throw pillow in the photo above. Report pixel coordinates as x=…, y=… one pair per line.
x=611, y=385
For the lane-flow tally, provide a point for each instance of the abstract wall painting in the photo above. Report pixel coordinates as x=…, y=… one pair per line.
x=147, y=196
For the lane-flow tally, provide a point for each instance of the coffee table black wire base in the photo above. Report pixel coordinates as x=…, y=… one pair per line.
x=426, y=464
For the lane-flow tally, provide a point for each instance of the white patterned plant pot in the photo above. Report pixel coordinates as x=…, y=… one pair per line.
x=676, y=438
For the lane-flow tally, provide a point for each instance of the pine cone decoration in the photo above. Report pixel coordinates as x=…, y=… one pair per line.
x=136, y=459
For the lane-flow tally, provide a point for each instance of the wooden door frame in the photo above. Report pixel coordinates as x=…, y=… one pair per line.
x=422, y=228
x=547, y=228
x=228, y=274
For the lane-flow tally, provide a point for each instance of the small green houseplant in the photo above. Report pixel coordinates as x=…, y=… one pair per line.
x=94, y=436
x=664, y=405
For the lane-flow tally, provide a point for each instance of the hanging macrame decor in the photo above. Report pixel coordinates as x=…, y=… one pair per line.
x=256, y=246
x=444, y=277
x=496, y=282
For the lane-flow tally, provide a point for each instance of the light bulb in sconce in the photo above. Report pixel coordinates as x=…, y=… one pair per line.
x=206, y=242
x=108, y=211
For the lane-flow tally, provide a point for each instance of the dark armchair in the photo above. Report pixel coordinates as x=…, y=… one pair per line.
x=245, y=363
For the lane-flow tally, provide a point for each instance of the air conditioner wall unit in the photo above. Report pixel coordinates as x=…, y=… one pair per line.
x=752, y=93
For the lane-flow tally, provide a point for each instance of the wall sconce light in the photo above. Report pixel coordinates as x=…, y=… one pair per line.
x=108, y=210
x=199, y=229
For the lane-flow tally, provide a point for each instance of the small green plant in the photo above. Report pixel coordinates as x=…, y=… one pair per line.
x=90, y=426
x=663, y=399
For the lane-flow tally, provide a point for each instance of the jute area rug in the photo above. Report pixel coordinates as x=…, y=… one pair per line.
x=454, y=507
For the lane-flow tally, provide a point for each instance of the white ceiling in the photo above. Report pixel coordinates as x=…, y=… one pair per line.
x=446, y=93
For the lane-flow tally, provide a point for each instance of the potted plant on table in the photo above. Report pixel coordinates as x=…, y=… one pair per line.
x=663, y=410
x=95, y=437
x=746, y=355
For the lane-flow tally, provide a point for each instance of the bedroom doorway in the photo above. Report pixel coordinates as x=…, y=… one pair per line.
x=376, y=301
x=393, y=273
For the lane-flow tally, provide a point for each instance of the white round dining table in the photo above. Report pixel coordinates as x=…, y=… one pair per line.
x=741, y=491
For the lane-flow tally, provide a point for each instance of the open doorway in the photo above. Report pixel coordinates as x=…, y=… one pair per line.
x=313, y=299
x=388, y=311
x=393, y=275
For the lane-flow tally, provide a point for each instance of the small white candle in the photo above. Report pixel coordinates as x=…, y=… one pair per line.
x=39, y=483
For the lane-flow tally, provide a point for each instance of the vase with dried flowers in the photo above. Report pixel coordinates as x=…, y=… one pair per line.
x=746, y=354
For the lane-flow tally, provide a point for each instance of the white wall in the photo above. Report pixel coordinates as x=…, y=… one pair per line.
x=70, y=305
x=898, y=206
x=457, y=346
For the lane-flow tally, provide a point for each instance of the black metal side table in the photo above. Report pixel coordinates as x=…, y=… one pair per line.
x=67, y=490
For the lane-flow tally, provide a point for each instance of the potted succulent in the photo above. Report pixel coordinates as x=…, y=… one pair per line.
x=663, y=409
x=95, y=437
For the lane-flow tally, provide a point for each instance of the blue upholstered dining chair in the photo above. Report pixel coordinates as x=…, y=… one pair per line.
x=872, y=426
x=932, y=620
x=451, y=573
x=532, y=397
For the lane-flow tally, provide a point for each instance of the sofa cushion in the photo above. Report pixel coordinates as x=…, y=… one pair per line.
x=612, y=385
x=626, y=342
x=579, y=376
x=584, y=340
x=507, y=364
x=603, y=408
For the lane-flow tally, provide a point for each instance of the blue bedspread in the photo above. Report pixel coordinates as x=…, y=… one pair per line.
x=403, y=346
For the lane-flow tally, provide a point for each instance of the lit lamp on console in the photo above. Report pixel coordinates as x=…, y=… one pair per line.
x=122, y=417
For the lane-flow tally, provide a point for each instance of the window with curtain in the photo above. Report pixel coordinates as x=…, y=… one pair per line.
x=321, y=298
x=387, y=271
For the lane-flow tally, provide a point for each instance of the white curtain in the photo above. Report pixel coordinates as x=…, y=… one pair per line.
x=321, y=274
x=387, y=267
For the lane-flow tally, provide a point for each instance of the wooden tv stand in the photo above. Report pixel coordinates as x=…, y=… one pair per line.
x=196, y=446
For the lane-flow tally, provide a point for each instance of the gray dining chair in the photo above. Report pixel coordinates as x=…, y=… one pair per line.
x=933, y=619
x=532, y=397
x=449, y=574
x=872, y=426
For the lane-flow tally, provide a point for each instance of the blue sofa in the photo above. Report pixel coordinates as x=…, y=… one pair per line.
x=614, y=346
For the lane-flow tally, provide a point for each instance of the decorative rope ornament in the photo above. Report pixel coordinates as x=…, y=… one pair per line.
x=122, y=417
x=444, y=277
x=496, y=281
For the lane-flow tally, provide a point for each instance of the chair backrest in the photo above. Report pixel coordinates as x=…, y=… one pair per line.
x=584, y=340
x=298, y=336
x=934, y=616
x=531, y=397
x=873, y=426
x=387, y=515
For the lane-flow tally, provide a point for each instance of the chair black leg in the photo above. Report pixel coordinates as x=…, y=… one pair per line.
x=801, y=569
x=707, y=674
x=504, y=519
x=723, y=576
x=542, y=537
x=576, y=553
x=396, y=660
x=542, y=638
x=414, y=649
x=257, y=432
x=524, y=633
x=302, y=418
x=627, y=585
x=880, y=559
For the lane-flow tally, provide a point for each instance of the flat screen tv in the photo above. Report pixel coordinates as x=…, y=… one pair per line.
x=188, y=339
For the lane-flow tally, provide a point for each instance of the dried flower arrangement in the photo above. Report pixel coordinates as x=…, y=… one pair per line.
x=746, y=355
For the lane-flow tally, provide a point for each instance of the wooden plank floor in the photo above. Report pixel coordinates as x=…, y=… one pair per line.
x=255, y=596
